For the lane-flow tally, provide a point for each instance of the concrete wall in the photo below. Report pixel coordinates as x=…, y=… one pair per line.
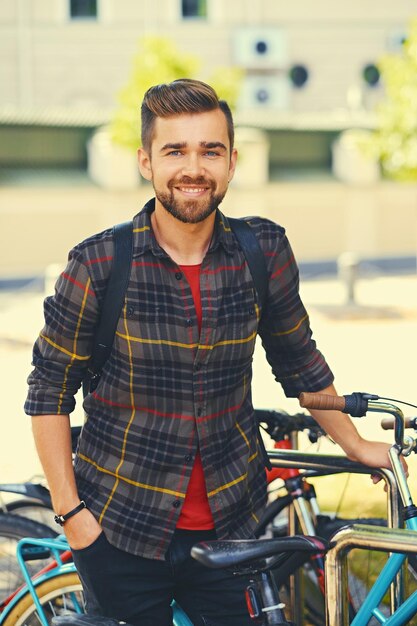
x=39, y=225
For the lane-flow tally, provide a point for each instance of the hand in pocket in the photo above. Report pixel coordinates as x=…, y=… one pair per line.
x=82, y=530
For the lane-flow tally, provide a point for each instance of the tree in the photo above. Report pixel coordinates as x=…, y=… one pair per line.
x=158, y=60
x=395, y=139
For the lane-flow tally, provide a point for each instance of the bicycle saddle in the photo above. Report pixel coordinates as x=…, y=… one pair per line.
x=255, y=555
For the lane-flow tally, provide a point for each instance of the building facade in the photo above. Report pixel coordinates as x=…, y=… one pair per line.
x=300, y=56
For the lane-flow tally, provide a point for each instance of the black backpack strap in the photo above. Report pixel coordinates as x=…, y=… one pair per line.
x=253, y=254
x=112, y=303
x=259, y=272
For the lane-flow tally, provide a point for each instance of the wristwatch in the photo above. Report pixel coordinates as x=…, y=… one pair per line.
x=61, y=519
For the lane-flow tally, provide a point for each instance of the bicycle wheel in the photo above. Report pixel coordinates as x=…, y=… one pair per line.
x=12, y=529
x=60, y=595
x=33, y=509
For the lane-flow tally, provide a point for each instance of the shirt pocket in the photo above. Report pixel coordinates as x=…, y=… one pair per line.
x=237, y=321
x=143, y=333
x=140, y=321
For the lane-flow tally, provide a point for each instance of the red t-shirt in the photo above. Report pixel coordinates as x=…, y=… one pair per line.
x=195, y=512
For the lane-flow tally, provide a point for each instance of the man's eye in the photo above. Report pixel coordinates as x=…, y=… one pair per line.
x=175, y=153
x=212, y=153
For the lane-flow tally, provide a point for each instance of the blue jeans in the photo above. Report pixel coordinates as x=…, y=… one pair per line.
x=139, y=591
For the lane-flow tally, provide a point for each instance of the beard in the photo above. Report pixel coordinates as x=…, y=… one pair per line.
x=190, y=211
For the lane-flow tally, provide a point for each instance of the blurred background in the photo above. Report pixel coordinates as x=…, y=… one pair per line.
x=324, y=97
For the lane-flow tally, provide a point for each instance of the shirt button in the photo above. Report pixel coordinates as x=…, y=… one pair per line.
x=178, y=275
x=176, y=504
x=251, y=311
x=188, y=322
x=130, y=310
x=188, y=458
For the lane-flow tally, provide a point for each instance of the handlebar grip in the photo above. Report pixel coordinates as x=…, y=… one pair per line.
x=388, y=423
x=322, y=401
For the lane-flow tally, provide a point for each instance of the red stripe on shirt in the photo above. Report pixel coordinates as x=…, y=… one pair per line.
x=141, y=408
x=99, y=260
x=77, y=283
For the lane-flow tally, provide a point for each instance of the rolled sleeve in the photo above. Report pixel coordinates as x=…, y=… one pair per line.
x=285, y=327
x=62, y=350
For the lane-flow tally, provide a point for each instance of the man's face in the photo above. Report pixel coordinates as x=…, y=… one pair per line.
x=190, y=164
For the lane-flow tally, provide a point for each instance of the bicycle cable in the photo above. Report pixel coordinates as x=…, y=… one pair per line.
x=399, y=401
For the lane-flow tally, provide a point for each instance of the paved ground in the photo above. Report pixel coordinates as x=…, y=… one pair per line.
x=371, y=347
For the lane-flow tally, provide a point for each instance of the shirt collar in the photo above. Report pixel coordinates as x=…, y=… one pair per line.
x=144, y=239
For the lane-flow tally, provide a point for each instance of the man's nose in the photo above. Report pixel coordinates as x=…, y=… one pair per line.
x=193, y=165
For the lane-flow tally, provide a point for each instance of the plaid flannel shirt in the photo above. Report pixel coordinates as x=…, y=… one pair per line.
x=166, y=390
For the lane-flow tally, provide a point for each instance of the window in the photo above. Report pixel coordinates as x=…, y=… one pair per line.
x=83, y=9
x=194, y=8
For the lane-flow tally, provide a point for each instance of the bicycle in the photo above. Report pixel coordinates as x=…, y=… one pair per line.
x=280, y=426
x=28, y=515
x=34, y=499
x=13, y=528
x=301, y=494
x=228, y=554
x=56, y=590
x=357, y=405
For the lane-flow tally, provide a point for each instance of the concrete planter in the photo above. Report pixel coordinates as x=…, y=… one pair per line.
x=109, y=165
x=253, y=158
x=350, y=163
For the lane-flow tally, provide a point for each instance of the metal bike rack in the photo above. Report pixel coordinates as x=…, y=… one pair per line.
x=334, y=464
x=357, y=536
x=327, y=464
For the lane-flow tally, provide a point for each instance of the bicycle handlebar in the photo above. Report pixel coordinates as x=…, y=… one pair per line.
x=280, y=424
x=322, y=401
x=357, y=404
x=388, y=423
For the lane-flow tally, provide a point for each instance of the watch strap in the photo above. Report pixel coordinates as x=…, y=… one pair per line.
x=61, y=519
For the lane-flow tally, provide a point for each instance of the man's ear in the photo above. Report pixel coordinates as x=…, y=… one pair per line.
x=144, y=161
x=232, y=164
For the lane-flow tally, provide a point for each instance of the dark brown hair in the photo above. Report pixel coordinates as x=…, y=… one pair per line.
x=181, y=96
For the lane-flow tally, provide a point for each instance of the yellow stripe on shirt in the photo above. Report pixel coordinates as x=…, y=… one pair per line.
x=132, y=415
x=170, y=492
x=64, y=350
x=178, y=344
x=292, y=330
x=74, y=347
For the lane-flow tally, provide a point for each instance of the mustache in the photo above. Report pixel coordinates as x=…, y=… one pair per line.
x=187, y=180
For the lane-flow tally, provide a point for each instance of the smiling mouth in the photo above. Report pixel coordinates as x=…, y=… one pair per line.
x=192, y=190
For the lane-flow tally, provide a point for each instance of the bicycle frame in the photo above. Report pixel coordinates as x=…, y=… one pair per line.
x=59, y=548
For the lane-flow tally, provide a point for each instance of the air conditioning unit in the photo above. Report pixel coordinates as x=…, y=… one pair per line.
x=265, y=92
x=261, y=48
